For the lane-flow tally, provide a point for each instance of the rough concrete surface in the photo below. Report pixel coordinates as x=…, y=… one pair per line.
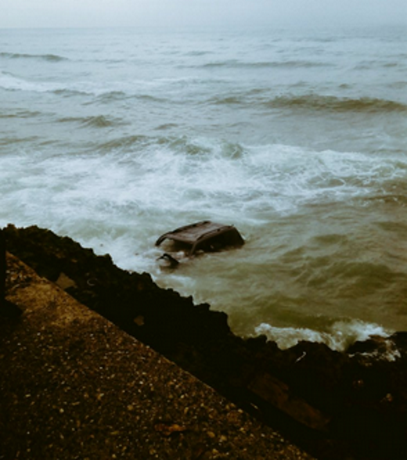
x=74, y=386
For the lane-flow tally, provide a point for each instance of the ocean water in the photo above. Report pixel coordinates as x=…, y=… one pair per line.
x=297, y=137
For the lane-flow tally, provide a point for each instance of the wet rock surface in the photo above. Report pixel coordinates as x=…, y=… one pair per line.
x=336, y=405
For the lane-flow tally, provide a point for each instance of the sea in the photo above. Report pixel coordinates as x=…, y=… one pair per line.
x=298, y=137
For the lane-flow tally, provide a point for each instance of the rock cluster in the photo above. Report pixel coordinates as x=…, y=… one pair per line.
x=334, y=404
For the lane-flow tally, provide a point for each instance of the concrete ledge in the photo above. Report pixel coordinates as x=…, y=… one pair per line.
x=74, y=386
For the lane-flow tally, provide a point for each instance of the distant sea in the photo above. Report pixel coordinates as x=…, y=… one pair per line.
x=297, y=137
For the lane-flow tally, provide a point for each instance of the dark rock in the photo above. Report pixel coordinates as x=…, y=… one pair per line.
x=7, y=309
x=376, y=344
x=400, y=339
x=279, y=394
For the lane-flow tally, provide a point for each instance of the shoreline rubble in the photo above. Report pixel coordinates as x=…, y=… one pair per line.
x=333, y=404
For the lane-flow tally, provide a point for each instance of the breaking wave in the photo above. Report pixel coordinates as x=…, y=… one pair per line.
x=339, y=336
x=100, y=92
x=10, y=82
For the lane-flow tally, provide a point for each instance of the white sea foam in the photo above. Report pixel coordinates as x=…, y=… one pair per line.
x=130, y=88
x=220, y=180
x=338, y=337
x=11, y=82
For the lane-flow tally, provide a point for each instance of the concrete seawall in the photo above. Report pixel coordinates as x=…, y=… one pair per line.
x=74, y=386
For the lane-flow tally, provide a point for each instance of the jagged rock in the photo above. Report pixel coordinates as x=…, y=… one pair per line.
x=279, y=395
x=64, y=282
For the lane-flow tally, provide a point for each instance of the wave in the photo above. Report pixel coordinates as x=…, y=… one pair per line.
x=173, y=144
x=339, y=336
x=388, y=198
x=252, y=95
x=100, y=94
x=10, y=82
x=398, y=85
x=124, y=142
x=389, y=60
x=228, y=100
x=112, y=96
x=265, y=64
x=337, y=104
x=198, y=53
x=108, y=97
x=166, y=126
x=99, y=121
x=313, y=102
x=44, y=57
x=18, y=140
x=181, y=149
x=20, y=114
x=65, y=92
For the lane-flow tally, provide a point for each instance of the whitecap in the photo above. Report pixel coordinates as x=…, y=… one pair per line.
x=339, y=336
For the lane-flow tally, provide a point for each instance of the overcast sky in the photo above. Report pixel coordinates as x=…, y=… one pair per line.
x=104, y=13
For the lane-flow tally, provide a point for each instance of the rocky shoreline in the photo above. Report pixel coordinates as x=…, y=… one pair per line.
x=335, y=405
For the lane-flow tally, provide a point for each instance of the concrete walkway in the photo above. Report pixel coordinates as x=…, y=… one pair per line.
x=73, y=386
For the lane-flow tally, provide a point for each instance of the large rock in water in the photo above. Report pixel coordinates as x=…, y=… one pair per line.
x=335, y=404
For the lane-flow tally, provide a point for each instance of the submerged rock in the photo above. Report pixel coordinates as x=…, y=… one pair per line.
x=331, y=403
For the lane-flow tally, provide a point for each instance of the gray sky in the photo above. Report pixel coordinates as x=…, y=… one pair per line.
x=101, y=13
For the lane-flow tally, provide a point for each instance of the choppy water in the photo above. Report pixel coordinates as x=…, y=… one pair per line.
x=297, y=137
